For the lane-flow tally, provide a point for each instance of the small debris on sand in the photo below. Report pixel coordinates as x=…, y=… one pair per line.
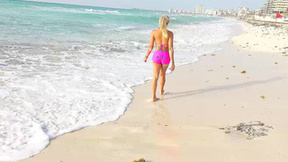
x=213, y=54
x=263, y=97
x=141, y=160
x=276, y=63
x=251, y=129
x=234, y=66
x=227, y=132
x=243, y=72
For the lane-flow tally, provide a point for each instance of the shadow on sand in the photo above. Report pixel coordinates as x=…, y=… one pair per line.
x=175, y=95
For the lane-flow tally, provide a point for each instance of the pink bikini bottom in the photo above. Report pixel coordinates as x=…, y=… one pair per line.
x=161, y=57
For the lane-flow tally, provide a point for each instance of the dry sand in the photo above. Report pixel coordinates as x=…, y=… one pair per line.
x=263, y=38
x=183, y=126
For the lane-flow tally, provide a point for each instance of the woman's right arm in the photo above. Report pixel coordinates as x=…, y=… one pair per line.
x=151, y=45
x=171, y=51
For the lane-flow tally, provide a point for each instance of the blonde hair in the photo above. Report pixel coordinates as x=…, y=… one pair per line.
x=163, y=22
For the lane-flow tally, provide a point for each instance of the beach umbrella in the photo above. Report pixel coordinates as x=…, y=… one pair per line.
x=278, y=15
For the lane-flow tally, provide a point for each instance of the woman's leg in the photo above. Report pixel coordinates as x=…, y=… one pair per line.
x=163, y=77
x=156, y=71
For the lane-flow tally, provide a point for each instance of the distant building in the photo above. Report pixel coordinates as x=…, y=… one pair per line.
x=180, y=11
x=264, y=8
x=199, y=9
x=213, y=12
x=270, y=6
x=280, y=6
x=242, y=12
x=275, y=6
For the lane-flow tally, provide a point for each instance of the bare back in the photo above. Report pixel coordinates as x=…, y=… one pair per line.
x=162, y=43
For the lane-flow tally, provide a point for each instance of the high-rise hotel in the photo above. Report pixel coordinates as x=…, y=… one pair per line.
x=199, y=9
x=275, y=6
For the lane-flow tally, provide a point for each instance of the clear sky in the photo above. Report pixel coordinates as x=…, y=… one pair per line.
x=165, y=4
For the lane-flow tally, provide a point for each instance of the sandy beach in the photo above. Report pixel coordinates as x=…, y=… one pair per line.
x=263, y=37
x=245, y=82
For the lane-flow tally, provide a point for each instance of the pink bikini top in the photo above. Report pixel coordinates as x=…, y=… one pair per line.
x=163, y=47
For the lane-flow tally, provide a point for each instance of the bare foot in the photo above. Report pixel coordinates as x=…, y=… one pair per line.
x=154, y=99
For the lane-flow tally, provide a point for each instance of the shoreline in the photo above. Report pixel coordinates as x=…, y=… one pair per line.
x=184, y=124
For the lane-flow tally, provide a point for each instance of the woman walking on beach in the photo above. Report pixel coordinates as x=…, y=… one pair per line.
x=162, y=56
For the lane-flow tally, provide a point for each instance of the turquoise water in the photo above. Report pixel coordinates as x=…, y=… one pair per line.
x=65, y=67
x=49, y=23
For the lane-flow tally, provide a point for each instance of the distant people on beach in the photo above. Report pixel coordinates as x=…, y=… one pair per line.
x=163, y=55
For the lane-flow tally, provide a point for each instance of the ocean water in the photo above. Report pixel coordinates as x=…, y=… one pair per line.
x=65, y=67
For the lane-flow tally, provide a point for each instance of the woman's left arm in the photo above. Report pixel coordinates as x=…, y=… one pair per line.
x=171, y=51
x=151, y=45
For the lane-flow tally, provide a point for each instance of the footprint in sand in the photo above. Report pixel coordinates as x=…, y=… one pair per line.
x=150, y=100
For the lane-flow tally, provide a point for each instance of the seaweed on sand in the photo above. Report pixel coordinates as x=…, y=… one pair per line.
x=243, y=72
x=141, y=160
x=263, y=97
